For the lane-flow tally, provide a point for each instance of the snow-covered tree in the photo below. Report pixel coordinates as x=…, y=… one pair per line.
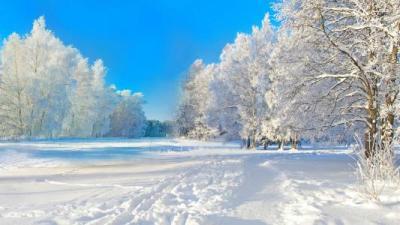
x=91, y=102
x=222, y=113
x=292, y=115
x=128, y=119
x=228, y=98
x=13, y=98
x=79, y=120
x=245, y=70
x=105, y=100
x=48, y=89
x=350, y=51
x=34, y=82
x=192, y=120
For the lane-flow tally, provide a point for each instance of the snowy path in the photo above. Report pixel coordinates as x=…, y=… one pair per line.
x=210, y=187
x=184, y=195
x=309, y=189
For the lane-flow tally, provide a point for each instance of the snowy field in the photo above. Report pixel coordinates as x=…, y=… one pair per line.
x=163, y=182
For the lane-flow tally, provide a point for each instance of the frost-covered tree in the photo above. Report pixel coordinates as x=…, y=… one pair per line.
x=48, y=66
x=34, y=82
x=292, y=112
x=222, y=113
x=128, y=119
x=105, y=100
x=350, y=53
x=91, y=101
x=80, y=116
x=48, y=89
x=245, y=70
x=13, y=98
x=333, y=69
x=228, y=98
x=187, y=111
x=192, y=118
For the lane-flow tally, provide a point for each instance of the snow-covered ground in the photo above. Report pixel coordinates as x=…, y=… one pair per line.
x=161, y=181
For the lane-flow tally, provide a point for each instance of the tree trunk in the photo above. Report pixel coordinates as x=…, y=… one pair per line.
x=390, y=97
x=244, y=143
x=253, y=141
x=293, y=143
x=281, y=145
x=265, y=144
x=370, y=134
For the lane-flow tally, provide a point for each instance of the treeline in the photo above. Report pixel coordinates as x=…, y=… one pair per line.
x=156, y=128
x=48, y=89
x=329, y=71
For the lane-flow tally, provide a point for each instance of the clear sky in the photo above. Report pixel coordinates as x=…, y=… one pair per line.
x=147, y=45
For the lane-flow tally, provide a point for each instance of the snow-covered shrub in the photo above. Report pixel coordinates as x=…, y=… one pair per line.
x=377, y=173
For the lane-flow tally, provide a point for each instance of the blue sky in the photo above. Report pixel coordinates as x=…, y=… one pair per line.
x=147, y=45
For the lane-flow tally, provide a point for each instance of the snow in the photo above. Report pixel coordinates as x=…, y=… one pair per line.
x=177, y=182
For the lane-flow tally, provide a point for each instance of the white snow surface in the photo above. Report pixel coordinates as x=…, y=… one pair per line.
x=182, y=182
